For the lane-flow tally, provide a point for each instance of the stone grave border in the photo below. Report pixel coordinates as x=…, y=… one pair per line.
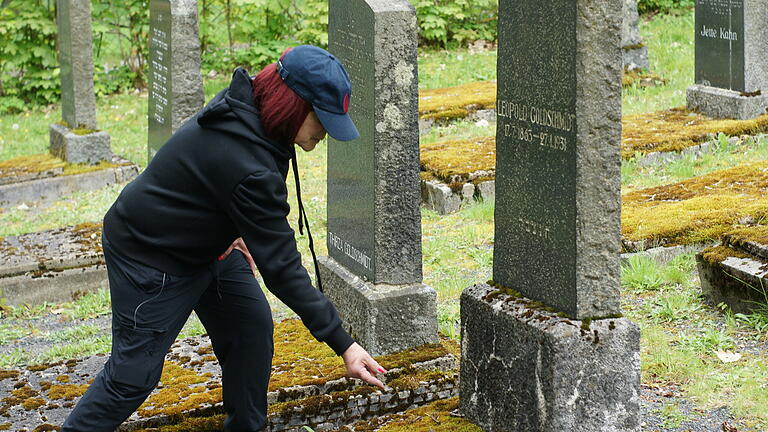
x=54, y=185
x=321, y=406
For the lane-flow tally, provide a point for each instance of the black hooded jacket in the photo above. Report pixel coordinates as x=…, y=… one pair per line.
x=219, y=177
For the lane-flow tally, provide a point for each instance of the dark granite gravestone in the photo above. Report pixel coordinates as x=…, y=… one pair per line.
x=175, y=83
x=731, y=58
x=76, y=139
x=374, y=223
x=536, y=353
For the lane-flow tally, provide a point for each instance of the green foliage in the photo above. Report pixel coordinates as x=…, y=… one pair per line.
x=663, y=6
x=29, y=70
x=252, y=58
x=125, y=25
x=456, y=22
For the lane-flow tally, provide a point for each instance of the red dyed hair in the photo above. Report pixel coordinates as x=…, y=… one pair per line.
x=282, y=110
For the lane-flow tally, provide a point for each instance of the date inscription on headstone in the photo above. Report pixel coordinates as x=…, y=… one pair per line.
x=351, y=165
x=160, y=85
x=720, y=43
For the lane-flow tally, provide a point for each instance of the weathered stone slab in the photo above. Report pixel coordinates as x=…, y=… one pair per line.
x=90, y=148
x=191, y=387
x=52, y=266
x=374, y=220
x=527, y=369
x=635, y=53
x=386, y=318
x=441, y=198
x=175, y=82
x=733, y=277
x=557, y=159
x=731, y=59
x=78, y=100
x=54, y=185
x=721, y=103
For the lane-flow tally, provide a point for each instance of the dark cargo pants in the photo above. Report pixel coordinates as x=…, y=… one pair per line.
x=149, y=308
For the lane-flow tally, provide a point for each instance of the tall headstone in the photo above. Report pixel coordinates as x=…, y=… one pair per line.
x=543, y=347
x=76, y=139
x=373, y=273
x=731, y=79
x=175, y=83
x=634, y=51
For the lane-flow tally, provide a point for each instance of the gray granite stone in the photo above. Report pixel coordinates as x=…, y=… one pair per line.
x=721, y=103
x=731, y=54
x=740, y=281
x=90, y=149
x=635, y=53
x=56, y=185
x=175, y=80
x=487, y=190
x=373, y=181
x=525, y=369
x=382, y=318
x=558, y=135
x=468, y=192
x=78, y=100
x=439, y=197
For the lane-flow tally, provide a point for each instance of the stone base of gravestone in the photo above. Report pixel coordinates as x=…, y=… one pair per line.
x=382, y=318
x=721, y=103
x=526, y=369
x=635, y=57
x=72, y=147
x=734, y=276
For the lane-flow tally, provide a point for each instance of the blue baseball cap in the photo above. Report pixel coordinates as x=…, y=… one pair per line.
x=320, y=79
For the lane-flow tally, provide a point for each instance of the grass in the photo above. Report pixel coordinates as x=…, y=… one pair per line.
x=680, y=336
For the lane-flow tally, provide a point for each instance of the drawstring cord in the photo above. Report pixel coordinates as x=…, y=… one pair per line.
x=304, y=220
x=136, y=311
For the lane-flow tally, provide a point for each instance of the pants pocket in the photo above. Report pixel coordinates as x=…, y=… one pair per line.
x=137, y=357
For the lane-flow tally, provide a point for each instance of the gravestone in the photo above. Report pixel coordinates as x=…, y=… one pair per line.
x=543, y=347
x=175, y=83
x=634, y=51
x=76, y=139
x=731, y=79
x=373, y=272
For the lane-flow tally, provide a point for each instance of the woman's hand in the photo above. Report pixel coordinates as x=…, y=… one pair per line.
x=361, y=365
x=239, y=244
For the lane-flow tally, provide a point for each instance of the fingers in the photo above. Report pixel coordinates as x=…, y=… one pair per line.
x=370, y=379
x=373, y=365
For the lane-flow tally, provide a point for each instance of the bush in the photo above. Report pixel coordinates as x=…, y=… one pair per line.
x=663, y=6
x=456, y=22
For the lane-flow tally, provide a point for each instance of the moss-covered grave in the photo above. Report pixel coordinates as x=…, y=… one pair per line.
x=697, y=210
x=456, y=162
x=676, y=129
x=45, y=165
x=434, y=417
x=308, y=380
x=457, y=102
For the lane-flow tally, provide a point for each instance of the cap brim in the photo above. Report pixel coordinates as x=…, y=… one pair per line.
x=339, y=126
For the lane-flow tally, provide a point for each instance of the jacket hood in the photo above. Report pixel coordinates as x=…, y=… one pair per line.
x=232, y=111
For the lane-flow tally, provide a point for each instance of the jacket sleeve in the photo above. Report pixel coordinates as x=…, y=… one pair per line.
x=259, y=209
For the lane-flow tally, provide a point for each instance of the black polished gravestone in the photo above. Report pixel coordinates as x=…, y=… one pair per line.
x=175, y=83
x=373, y=273
x=731, y=59
x=557, y=175
x=543, y=347
x=720, y=43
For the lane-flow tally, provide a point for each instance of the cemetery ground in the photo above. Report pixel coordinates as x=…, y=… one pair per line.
x=703, y=367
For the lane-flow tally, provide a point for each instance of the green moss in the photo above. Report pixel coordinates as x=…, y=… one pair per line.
x=33, y=403
x=633, y=47
x=718, y=254
x=5, y=374
x=434, y=417
x=40, y=163
x=66, y=391
x=5, y=426
x=677, y=128
x=641, y=79
x=457, y=102
x=753, y=234
x=697, y=210
x=458, y=161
